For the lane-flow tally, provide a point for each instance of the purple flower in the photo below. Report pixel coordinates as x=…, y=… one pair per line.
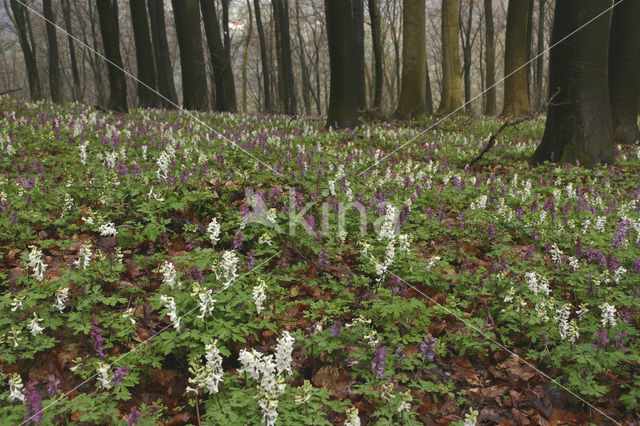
x=379, y=362
x=119, y=374
x=428, y=346
x=53, y=386
x=237, y=241
x=602, y=339
x=323, y=260
x=196, y=274
x=97, y=339
x=251, y=260
x=134, y=416
x=32, y=402
x=397, y=286
x=619, y=341
x=623, y=228
x=336, y=328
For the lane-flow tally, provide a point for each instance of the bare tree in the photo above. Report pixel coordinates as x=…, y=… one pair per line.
x=108, y=16
x=147, y=97
x=19, y=17
x=374, y=15
x=164, y=71
x=266, y=72
x=66, y=13
x=249, y=25
x=516, y=87
x=55, y=82
x=490, y=55
x=451, y=85
x=411, y=103
x=358, y=36
x=286, y=86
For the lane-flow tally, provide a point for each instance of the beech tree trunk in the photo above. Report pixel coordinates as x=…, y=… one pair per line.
x=66, y=13
x=306, y=83
x=578, y=127
x=286, y=90
x=223, y=77
x=164, y=71
x=343, y=104
x=428, y=94
x=490, y=55
x=539, y=91
x=55, y=83
x=451, y=98
x=194, y=79
x=412, y=101
x=358, y=35
x=108, y=17
x=264, y=59
x=28, y=51
x=624, y=71
x=244, y=58
x=516, y=88
x=467, y=47
x=374, y=15
x=147, y=98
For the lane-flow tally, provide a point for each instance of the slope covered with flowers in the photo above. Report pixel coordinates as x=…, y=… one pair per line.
x=215, y=269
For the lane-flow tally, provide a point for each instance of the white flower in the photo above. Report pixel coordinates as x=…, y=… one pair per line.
x=85, y=255
x=283, y=353
x=62, y=294
x=210, y=374
x=556, y=254
x=388, y=230
x=104, y=376
x=618, y=274
x=471, y=418
x=403, y=242
x=600, y=223
x=405, y=404
x=83, y=152
x=573, y=332
x=170, y=304
x=509, y=296
x=573, y=262
x=128, y=314
x=583, y=310
x=562, y=318
x=17, y=303
x=163, y=165
x=332, y=187
x=207, y=303
x=108, y=230
x=608, y=314
x=432, y=262
x=352, y=417
x=36, y=263
x=213, y=231
x=170, y=276
x=15, y=387
x=536, y=286
x=251, y=363
x=259, y=295
x=229, y=266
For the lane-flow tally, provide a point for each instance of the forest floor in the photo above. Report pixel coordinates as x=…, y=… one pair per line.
x=161, y=267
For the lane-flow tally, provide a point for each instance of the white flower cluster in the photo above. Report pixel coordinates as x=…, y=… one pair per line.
x=537, y=286
x=170, y=276
x=83, y=152
x=104, y=376
x=36, y=263
x=388, y=228
x=15, y=387
x=259, y=295
x=170, y=304
x=213, y=231
x=471, y=418
x=108, y=230
x=208, y=375
x=85, y=255
x=268, y=371
x=480, y=203
x=163, y=165
x=608, y=314
x=34, y=327
x=229, y=265
x=556, y=254
x=207, y=302
x=352, y=417
x=562, y=319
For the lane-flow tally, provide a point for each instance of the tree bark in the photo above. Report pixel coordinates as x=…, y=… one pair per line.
x=467, y=46
x=428, y=95
x=223, y=77
x=147, y=98
x=624, y=71
x=358, y=35
x=194, y=80
x=578, y=126
x=412, y=103
x=108, y=16
x=55, y=82
x=244, y=58
x=20, y=20
x=540, y=57
x=164, y=71
x=516, y=89
x=283, y=49
x=374, y=15
x=268, y=104
x=66, y=13
x=451, y=98
x=306, y=83
x=343, y=104
x=490, y=54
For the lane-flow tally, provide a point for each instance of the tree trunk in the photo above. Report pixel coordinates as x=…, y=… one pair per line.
x=516, y=89
x=539, y=91
x=467, y=47
x=194, y=79
x=66, y=13
x=490, y=54
x=95, y=60
x=306, y=83
x=358, y=35
x=343, y=103
x=624, y=71
x=225, y=88
x=20, y=20
x=164, y=71
x=244, y=58
x=412, y=103
x=147, y=98
x=428, y=94
x=268, y=104
x=578, y=126
x=283, y=49
x=530, y=52
x=55, y=82
x=108, y=16
x=451, y=99
x=374, y=15
x=230, y=86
